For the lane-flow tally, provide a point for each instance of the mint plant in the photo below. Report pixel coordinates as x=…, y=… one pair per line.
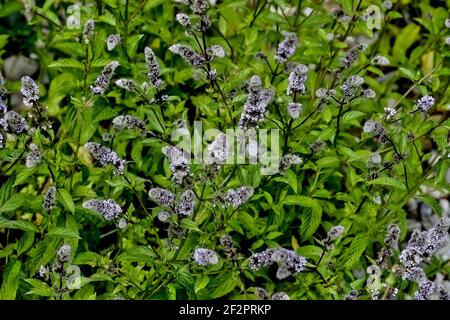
x=200, y=149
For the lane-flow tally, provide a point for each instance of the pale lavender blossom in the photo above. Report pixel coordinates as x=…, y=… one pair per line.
x=423, y=244
x=49, y=199
x=326, y=94
x=217, y=151
x=391, y=245
x=161, y=196
x=179, y=164
x=280, y=296
x=189, y=55
x=183, y=19
x=112, y=41
x=122, y=224
x=199, y=6
x=239, y=196
x=380, y=60
x=34, y=157
x=369, y=94
x=63, y=253
x=109, y=209
x=389, y=113
x=204, y=257
x=289, y=263
x=30, y=91
x=106, y=156
x=128, y=122
x=102, y=81
x=289, y=160
x=163, y=216
x=287, y=47
x=88, y=32
x=14, y=122
x=153, y=70
x=376, y=129
x=216, y=51
x=352, y=55
x=335, y=232
x=185, y=206
x=352, y=84
x=294, y=109
x=297, y=80
x=387, y=5
x=425, y=103
x=127, y=84
x=256, y=105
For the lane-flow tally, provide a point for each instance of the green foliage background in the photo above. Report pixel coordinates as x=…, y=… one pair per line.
x=294, y=210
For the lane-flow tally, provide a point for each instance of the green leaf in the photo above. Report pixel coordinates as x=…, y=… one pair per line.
x=25, y=242
x=189, y=224
x=65, y=198
x=13, y=203
x=10, y=281
x=3, y=40
x=299, y=201
x=184, y=277
x=273, y=235
x=328, y=162
x=357, y=248
x=14, y=224
x=132, y=44
x=351, y=115
x=311, y=219
x=23, y=175
x=405, y=40
x=408, y=73
x=63, y=233
x=40, y=288
x=226, y=285
x=10, y=7
x=88, y=257
x=388, y=182
x=137, y=254
x=201, y=283
x=66, y=63
x=432, y=203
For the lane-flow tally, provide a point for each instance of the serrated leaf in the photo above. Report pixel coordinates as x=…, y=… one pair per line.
x=351, y=115
x=226, y=285
x=88, y=257
x=311, y=219
x=65, y=198
x=66, y=63
x=189, y=224
x=25, y=242
x=23, y=175
x=17, y=224
x=328, y=162
x=432, y=203
x=13, y=203
x=298, y=200
x=357, y=248
x=273, y=235
x=40, y=288
x=10, y=281
x=388, y=182
x=201, y=283
x=63, y=233
x=137, y=254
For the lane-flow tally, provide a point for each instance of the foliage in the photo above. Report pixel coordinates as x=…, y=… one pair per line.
x=354, y=173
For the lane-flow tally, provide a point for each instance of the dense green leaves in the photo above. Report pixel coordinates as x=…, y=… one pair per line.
x=354, y=160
